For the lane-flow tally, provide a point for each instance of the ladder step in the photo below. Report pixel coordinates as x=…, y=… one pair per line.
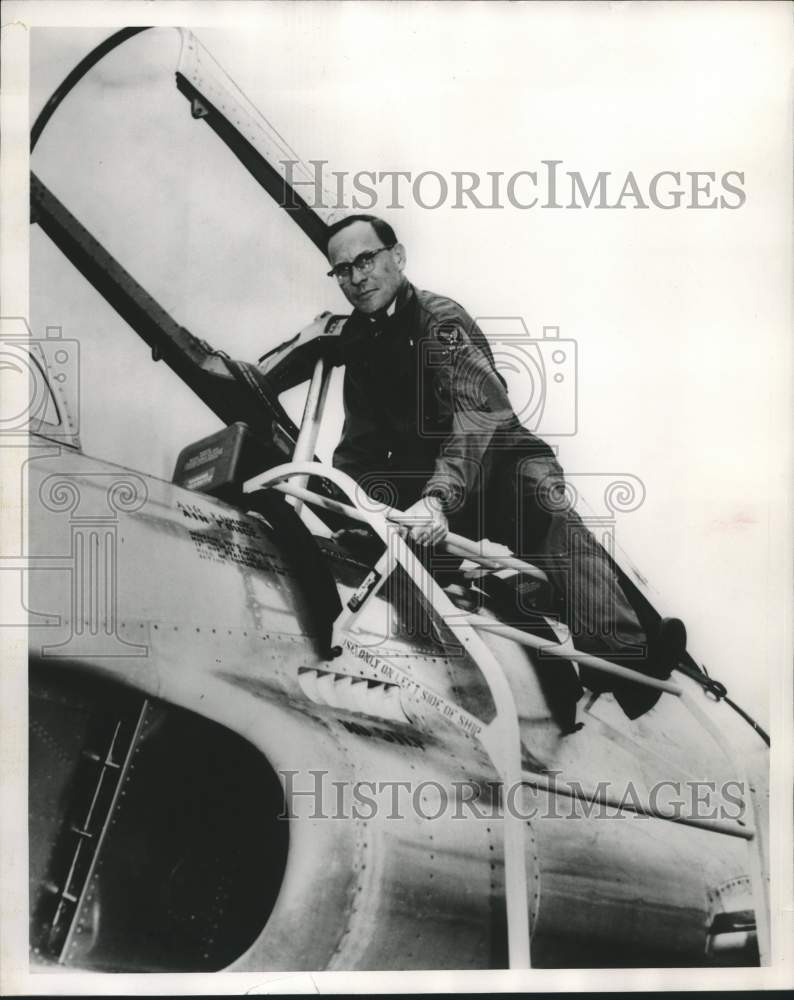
x=565, y=652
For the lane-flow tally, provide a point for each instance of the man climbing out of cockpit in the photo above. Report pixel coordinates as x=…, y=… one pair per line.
x=429, y=427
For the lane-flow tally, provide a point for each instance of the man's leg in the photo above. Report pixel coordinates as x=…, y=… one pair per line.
x=590, y=600
x=548, y=532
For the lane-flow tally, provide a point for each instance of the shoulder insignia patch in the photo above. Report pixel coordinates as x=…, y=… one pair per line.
x=448, y=334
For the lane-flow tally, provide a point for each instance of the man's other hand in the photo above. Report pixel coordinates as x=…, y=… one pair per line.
x=425, y=522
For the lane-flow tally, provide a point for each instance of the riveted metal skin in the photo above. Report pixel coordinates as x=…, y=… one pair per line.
x=188, y=622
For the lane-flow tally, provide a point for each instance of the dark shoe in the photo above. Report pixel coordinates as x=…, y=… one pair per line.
x=665, y=650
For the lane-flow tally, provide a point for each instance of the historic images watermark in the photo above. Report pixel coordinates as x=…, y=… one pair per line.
x=539, y=373
x=314, y=794
x=40, y=382
x=550, y=185
x=41, y=397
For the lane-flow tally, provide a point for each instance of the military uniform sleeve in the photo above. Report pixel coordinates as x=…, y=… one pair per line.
x=362, y=447
x=473, y=400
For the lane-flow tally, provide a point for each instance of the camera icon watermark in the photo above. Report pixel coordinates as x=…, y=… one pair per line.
x=540, y=375
x=39, y=382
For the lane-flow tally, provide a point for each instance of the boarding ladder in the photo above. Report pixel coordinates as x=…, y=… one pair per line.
x=500, y=738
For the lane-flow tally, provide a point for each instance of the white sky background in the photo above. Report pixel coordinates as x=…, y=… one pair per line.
x=681, y=321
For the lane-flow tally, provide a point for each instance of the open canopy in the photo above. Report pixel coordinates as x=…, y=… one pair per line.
x=160, y=157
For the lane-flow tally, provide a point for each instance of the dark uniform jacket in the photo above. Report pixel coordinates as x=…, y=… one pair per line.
x=426, y=413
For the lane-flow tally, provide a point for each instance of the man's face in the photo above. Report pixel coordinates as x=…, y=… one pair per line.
x=377, y=289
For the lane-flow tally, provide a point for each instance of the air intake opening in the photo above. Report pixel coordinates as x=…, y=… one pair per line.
x=154, y=838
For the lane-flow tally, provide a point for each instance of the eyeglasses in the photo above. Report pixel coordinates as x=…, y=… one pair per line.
x=363, y=263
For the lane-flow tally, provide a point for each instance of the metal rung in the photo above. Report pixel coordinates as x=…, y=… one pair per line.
x=456, y=545
x=567, y=653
